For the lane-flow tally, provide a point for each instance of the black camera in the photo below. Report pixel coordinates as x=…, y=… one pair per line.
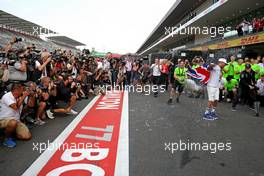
x=56, y=56
x=2, y=58
x=18, y=40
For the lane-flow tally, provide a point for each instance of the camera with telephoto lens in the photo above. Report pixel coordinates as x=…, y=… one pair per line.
x=10, y=58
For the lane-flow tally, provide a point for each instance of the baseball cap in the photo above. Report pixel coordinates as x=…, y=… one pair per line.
x=222, y=60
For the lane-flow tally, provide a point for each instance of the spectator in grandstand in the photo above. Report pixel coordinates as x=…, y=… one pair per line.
x=245, y=26
x=257, y=25
x=213, y=88
x=254, y=25
x=261, y=24
x=246, y=85
x=239, y=29
x=180, y=76
x=10, y=110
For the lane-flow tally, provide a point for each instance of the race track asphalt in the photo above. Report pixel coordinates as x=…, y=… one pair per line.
x=153, y=125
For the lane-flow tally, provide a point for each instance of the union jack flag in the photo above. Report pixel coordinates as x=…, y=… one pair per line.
x=201, y=73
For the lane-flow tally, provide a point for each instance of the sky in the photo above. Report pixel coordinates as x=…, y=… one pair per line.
x=118, y=26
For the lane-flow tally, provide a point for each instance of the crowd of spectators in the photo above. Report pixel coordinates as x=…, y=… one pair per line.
x=246, y=27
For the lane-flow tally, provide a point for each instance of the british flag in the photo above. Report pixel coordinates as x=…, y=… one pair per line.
x=201, y=73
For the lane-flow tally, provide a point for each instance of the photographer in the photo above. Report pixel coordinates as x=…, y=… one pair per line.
x=86, y=78
x=80, y=88
x=18, y=72
x=99, y=83
x=41, y=66
x=11, y=106
x=9, y=46
x=4, y=74
x=48, y=91
x=36, y=103
x=17, y=64
x=66, y=90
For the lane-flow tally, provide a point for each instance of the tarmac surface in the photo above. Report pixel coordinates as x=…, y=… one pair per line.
x=156, y=131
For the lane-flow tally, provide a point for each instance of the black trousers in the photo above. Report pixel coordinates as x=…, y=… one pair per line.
x=156, y=82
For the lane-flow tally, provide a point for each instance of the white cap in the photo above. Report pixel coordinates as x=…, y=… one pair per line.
x=222, y=60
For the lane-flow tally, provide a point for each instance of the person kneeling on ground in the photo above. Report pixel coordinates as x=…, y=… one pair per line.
x=66, y=91
x=11, y=106
x=35, y=105
x=48, y=90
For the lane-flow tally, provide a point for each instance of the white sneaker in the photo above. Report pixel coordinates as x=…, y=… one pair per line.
x=39, y=122
x=72, y=112
x=50, y=114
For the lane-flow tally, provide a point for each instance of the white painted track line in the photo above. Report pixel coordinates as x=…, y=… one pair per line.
x=40, y=162
x=122, y=158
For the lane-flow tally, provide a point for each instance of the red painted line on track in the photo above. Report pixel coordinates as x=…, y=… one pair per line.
x=97, y=118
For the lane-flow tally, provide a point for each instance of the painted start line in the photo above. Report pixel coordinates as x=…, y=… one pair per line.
x=100, y=133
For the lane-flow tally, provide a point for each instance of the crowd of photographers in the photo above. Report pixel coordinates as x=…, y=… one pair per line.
x=36, y=85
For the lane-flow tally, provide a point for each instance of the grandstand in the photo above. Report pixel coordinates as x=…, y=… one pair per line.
x=209, y=13
x=13, y=26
